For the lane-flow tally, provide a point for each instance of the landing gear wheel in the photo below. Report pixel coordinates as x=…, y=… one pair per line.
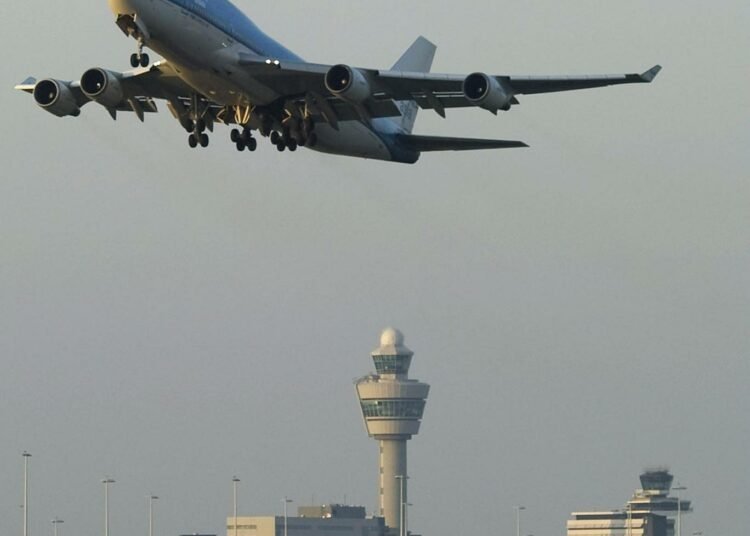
x=235, y=135
x=192, y=141
x=134, y=61
x=190, y=126
x=200, y=126
x=275, y=137
x=240, y=145
x=280, y=147
x=144, y=60
x=204, y=140
x=252, y=144
x=291, y=145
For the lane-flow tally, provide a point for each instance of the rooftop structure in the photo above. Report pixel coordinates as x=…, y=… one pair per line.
x=651, y=511
x=392, y=408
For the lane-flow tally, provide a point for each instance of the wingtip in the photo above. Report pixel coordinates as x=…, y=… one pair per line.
x=27, y=85
x=649, y=75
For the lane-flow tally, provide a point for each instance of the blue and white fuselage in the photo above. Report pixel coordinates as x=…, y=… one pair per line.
x=202, y=39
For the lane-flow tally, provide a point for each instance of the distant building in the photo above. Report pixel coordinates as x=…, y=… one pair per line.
x=326, y=520
x=650, y=512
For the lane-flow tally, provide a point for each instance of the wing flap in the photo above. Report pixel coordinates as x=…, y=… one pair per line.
x=439, y=143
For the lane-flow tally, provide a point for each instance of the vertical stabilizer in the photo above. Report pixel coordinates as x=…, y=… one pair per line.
x=417, y=59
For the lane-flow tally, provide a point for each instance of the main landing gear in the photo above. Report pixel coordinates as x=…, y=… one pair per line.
x=198, y=134
x=140, y=58
x=295, y=134
x=244, y=140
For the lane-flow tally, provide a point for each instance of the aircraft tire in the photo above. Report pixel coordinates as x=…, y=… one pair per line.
x=252, y=144
x=204, y=140
x=292, y=145
x=275, y=137
x=192, y=141
x=144, y=60
x=200, y=126
x=240, y=145
x=234, y=135
x=280, y=147
x=134, y=61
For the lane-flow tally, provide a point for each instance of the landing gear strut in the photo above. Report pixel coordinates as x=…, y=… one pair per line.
x=196, y=126
x=140, y=58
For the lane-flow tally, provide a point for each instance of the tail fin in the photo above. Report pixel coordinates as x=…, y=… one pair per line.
x=418, y=59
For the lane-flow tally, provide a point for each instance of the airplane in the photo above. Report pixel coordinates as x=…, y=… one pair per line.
x=220, y=68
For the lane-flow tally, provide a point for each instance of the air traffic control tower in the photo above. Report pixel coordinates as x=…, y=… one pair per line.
x=392, y=407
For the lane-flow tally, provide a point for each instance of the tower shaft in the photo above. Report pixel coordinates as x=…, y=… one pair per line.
x=392, y=465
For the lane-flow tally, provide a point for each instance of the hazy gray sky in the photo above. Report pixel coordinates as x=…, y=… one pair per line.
x=172, y=317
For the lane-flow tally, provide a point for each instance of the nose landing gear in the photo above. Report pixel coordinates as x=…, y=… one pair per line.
x=139, y=58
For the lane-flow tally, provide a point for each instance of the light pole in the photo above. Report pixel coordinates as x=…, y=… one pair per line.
x=402, y=510
x=518, y=518
x=55, y=523
x=26, y=457
x=151, y=499
x=235, y=481
x=678, y=489
x=286, y=501
x=106, y=482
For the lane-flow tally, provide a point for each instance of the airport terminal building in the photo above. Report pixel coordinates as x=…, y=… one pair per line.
x=652, y=511
x=326, y=520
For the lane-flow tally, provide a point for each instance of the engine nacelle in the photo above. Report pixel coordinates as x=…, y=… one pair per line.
x=347, y=84
x=487, y=92
x=102, y=86
x=56, y=97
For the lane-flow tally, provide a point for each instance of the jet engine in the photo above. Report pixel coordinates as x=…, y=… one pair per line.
x=347, y=84
x=487, y=92
x=102, y=86
x=56, y=97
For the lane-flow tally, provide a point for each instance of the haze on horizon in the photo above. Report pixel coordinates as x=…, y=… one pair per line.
x=171, y=318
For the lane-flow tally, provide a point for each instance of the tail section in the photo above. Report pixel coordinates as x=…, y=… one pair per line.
x=418, y=59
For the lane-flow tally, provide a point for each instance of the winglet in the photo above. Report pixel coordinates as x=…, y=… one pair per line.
x=27, y=85
x=649, y=75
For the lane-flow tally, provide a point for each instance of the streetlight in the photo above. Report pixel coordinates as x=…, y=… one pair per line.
x=678, y=489
x=106, y=482
x=518, y=518
x=55, y=523
x=402, y=509
x=26, y=457
x=151, y=499
x=235, y=481
x=286, y=501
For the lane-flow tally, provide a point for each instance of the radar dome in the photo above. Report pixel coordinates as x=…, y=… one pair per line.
x=391, y=337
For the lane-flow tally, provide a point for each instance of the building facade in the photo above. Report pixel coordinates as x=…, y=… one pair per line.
x=651, y=511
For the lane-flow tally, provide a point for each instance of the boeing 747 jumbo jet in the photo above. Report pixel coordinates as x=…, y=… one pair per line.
x=220, y=68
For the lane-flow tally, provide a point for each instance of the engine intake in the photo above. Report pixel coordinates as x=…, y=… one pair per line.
x=348, y=84
x=56, y=97
x=487, y=92
x=102, y=86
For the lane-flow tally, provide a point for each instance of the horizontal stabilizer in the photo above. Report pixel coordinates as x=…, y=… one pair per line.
x=438, y=143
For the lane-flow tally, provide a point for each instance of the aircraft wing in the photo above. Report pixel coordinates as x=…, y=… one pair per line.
x=136, y=93
x=431, y=91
